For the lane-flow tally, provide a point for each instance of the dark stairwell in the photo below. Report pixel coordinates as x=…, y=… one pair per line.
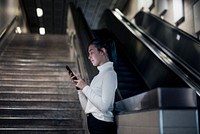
x=36, y=94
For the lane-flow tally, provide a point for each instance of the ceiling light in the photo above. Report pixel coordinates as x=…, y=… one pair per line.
x=18, y=30
x=178, y=37
x=42, y=30
x=39, y=12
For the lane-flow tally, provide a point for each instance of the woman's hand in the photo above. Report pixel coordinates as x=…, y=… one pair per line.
x=80, y=83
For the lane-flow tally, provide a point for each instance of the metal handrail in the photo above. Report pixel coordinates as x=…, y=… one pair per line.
x=81, y=37
x=6, y=29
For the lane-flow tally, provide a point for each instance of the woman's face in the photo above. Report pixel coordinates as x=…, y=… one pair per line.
x=96, y=57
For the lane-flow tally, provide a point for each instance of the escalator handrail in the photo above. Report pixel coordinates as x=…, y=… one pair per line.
x=88, y=30
x=189, y=68
x=169, y=53
x=6, y=29
x=173, y=27
x=161, y=55
x=185, y=63
x=84, y=35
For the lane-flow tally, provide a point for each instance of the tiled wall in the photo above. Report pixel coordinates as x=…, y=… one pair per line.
x=139, y=123
x=158, y=122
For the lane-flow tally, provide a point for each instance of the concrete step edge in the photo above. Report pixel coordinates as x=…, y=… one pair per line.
x=36, y=118
x=37, y=100
x=40, y=108
x=41, y=129
x=69, y=91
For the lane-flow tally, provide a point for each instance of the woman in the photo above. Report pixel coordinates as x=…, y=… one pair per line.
x=97, y=99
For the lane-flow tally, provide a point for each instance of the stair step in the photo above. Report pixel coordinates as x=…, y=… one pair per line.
x=41, y=113
x=31, y=60
x=35, y=72
x=41, y=122
x=40, y=44
x=36, y=100
x=46, y=54
x=129, y=85
x=38, y=104
x=35, y=77
x=7, y=89
x=36, y=53
x=49, y=64
x=38, y=84
x=38, y=92
x=38, y=48
x=44, y=68
x=125, y=74
x=36, y=130
x=23, y=96
x=126, y=79
x=52, y=57
x=34, y=68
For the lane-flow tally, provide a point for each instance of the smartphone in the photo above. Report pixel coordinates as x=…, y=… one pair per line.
x=71, y=73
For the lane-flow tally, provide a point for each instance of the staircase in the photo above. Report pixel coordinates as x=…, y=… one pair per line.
x=36, y=94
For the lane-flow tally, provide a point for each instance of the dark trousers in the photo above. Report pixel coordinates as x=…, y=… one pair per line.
x=96, y=126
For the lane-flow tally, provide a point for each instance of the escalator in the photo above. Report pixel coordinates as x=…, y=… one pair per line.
x=146, y=55
x=171, y=79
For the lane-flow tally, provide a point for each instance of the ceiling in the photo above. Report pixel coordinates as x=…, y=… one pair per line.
x=54, y=17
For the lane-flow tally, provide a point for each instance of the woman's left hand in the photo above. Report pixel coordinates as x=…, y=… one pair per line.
x=80, y=83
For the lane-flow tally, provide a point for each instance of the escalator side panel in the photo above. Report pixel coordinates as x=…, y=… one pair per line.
x=151, y=69
x=160, y=98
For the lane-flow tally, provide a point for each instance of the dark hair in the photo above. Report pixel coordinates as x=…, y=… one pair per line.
x=108, y=44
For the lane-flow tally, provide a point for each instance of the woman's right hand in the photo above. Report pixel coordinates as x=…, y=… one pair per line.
x=80, y=83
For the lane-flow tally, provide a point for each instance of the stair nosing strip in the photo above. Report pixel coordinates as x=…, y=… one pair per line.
x=35, y=118
x=37, y=100
x=40, y=129
x=43, y=109
x=35, y=93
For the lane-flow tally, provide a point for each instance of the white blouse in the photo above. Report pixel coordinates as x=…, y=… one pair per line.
x=98, y=98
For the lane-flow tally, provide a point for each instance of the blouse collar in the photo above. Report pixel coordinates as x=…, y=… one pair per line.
x=107, y=65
